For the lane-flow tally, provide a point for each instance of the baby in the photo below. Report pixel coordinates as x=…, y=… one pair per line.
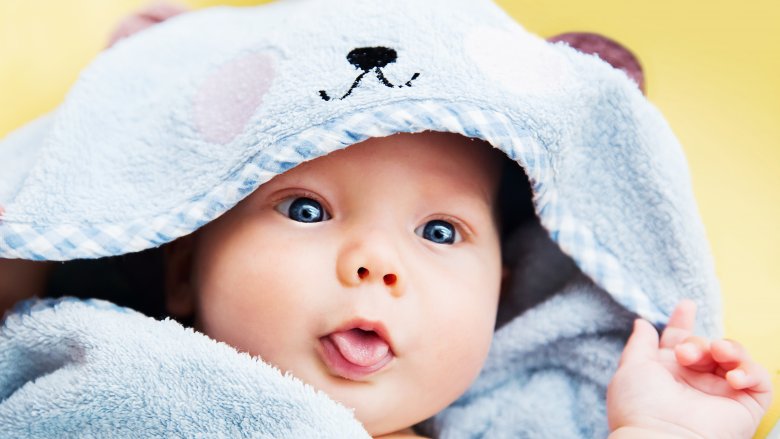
x=374, y=274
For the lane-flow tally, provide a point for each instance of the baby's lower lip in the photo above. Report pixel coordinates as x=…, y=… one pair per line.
x=344, y=368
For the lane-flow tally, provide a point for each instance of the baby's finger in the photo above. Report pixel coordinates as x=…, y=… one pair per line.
x=642, y=345
x=680, y=324
x=740, y=379
x=750, y=376
x=741, y=371
x=728, y=353
x=695, y=353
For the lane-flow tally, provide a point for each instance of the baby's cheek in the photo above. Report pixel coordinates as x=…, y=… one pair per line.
x=247, y=317
x=456, y=350
x=468, y=347
x=470, y=332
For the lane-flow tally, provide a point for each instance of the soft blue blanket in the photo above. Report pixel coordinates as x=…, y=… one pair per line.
x=186, y=119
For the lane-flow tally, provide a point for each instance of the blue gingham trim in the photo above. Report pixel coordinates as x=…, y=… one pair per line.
x=603, y=267
x=97, y=240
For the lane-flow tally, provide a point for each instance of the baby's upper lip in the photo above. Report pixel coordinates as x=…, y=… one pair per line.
x=368, y=325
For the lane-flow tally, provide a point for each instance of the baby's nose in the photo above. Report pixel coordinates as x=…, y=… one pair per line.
x=390, y=279
x=373, y=275
x=371, y=258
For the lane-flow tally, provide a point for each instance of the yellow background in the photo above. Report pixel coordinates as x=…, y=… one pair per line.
x=713, y=68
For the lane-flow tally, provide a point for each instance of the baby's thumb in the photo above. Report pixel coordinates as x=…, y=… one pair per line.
x=642, y=345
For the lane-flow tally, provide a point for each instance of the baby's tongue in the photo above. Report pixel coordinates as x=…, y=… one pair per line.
x=364, y=348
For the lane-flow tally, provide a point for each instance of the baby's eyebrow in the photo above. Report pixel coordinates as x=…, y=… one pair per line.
x=472, y=209
x=469, y=193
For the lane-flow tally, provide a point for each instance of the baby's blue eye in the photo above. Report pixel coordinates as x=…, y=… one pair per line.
x=303, y=209
x=438, y=231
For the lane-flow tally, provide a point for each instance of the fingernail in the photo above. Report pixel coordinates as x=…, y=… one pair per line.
x=689, y=349
x=728, y=347
x=736, y=377
x=737, y=374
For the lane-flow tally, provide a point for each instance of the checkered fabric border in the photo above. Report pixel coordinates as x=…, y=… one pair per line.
x=97, y=240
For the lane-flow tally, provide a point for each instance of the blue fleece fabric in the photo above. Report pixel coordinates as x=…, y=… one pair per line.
x=172, y=127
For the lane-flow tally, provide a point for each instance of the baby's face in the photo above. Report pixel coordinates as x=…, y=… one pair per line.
x=372, y=274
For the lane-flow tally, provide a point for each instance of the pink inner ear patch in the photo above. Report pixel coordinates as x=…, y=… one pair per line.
x=229, y=97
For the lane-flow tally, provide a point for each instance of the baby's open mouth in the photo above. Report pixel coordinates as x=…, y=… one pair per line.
x=355, y=353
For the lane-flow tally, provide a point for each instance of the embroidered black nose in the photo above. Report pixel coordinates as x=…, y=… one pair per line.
x=367, y=58
x=371, y=59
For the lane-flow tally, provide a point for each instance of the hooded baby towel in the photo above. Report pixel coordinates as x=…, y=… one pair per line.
x=172, y=127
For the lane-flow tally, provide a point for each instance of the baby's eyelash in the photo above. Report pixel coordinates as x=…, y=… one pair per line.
x=463, y=228
x=301, y=193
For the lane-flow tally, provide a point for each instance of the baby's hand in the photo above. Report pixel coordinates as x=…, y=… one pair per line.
x=685, y=386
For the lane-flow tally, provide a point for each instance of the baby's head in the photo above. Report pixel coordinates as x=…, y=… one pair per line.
x=372, y=273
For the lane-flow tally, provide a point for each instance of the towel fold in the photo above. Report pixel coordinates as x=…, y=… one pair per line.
x=73, y=368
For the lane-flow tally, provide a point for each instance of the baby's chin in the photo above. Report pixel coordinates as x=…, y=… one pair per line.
x=384, y=403
x=407, y=391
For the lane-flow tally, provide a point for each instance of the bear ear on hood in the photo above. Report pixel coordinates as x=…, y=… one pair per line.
x=149, y=16
x=617, y=55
